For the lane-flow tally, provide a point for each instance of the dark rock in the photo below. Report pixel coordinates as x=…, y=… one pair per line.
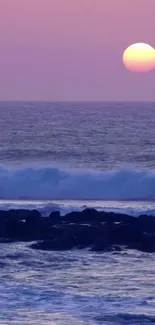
x=146, y=223
x=99, y=231
x=123, y=234
x=70, y=236
x=55, y=216
x=109, y=248
x=5, y=240
x=19, y=224
x=111, y=217
x=20, y=214
x=54, y=245
x=101, y=243
x=147, y=244
x=73, y=217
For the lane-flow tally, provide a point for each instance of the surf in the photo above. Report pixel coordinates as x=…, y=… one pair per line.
x=76, y=184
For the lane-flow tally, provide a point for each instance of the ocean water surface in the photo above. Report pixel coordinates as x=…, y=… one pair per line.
x=68, y=156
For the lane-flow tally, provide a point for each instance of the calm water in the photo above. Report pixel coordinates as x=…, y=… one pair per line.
x=68, y=156
x=94, y=135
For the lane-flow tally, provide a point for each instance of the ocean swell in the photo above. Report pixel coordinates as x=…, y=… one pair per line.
x=76, y=184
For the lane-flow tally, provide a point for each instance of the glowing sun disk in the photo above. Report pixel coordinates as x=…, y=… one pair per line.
x=139, y=57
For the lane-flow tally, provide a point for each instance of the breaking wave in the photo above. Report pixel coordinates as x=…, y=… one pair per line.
x=76, y=184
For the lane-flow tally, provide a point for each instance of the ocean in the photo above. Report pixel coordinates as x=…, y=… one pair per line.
x=68, y=156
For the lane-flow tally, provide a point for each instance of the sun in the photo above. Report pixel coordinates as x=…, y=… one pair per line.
x=139, y=57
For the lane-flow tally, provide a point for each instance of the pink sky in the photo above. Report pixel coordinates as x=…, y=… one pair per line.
x=72, y=49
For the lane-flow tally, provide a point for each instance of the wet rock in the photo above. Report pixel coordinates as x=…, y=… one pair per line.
x=70, y=236
x=98, y=231
x=147, y=244
x=123, y=234
x=57, y=244
x=55, y=217
x=20, y=214
x=73, y=217
x=110, y=248
x=19, y=224
x=146, y=223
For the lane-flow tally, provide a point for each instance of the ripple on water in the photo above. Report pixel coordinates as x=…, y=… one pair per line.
x=75, y=287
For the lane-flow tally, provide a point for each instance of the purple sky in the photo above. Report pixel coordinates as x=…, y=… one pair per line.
x=72, y=49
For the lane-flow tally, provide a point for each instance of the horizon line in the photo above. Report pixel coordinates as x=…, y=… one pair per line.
x=74, y=101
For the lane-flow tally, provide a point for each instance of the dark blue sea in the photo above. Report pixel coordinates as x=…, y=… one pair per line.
x=68, y=156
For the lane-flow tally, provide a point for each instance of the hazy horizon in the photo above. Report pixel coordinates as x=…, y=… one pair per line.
x=76, y=101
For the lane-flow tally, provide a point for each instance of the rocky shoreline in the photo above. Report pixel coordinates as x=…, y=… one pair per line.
x=97, y=231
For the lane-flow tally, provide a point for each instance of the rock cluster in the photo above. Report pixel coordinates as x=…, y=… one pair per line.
x=97, y=231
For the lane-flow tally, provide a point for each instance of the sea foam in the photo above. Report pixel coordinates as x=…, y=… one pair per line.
x=76, y=184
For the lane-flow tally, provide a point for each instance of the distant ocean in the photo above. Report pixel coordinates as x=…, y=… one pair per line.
x=78, y=154
x=68, y=156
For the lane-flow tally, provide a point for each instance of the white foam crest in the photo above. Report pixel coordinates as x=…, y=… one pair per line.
x=76, y=184
x=133, y=208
